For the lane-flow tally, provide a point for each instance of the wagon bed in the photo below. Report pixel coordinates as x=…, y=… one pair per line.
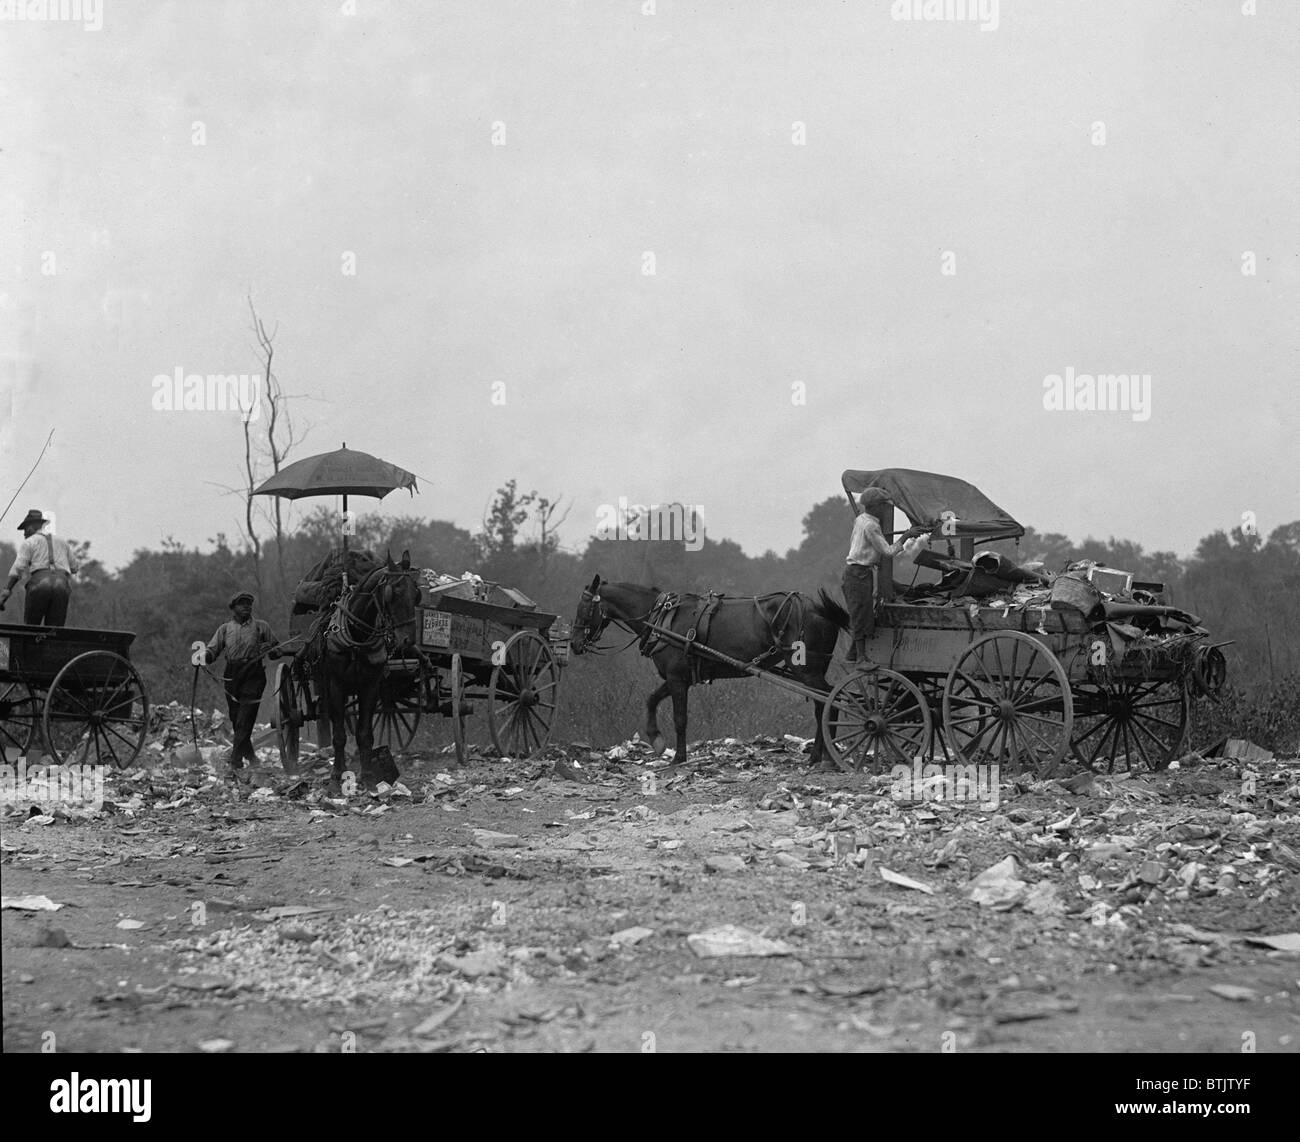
x=469, y=649
x=73, y=691
x=1013, y=684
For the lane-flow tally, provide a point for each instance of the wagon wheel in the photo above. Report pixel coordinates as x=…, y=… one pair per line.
x=20, y=711
x=457, y=684
x=397, y=712
x=521, y=695
x=1007, y=702
x=1142, y=722
x=289, y=716
x=96, y=710
x=400, y=704
x=876, y=716
x=931, y=685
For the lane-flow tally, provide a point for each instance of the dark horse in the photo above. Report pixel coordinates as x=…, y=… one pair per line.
x=788, y=633
x=366, y=626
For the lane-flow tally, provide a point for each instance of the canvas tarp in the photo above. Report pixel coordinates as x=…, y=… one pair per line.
x=925, y=496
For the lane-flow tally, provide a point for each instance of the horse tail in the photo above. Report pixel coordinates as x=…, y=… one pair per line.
x=830, y=610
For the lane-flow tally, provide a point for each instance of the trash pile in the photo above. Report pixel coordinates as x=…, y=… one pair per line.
x=171, y=726
x=437, y=584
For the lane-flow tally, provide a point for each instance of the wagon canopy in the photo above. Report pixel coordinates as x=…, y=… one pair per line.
x=925, y=496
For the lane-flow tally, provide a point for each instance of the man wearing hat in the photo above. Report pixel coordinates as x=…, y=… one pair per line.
x=50, y=565
x=244, y=640
x=862, y=567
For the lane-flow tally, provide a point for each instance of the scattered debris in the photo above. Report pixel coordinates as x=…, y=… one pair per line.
x=29, y=903
x=998, y=886
x=1233, y=992
x=730, y=940
x=904, y=881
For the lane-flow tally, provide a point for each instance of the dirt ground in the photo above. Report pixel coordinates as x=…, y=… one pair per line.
x=565, y=904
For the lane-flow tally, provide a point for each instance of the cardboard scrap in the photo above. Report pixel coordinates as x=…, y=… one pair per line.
x=731, y=940
x=29, y=903
x=998, y=886
x=904, y=881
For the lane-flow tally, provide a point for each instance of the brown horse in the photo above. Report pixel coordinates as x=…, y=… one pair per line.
x=785, y=633
x=367, y=626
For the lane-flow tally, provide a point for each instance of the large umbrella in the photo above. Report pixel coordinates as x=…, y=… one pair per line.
x=342, y=473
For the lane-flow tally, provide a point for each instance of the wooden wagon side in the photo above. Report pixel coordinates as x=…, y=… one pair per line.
x=499, y=654
x=72, y=690
x=1017, y=687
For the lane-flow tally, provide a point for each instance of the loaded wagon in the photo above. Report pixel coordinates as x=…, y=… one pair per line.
x=999, y=664
x=478, y=643
x=73, y=691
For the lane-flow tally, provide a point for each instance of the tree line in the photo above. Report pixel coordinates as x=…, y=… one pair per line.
x=1244, y=586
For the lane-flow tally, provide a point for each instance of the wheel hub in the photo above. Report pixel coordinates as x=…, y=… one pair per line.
x=1007, y=710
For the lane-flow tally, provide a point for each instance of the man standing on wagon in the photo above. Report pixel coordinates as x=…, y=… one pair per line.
x=862, y=567
x=50, y=565
x=244, y=640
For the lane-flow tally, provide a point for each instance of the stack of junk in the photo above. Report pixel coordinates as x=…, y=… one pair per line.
x=1132, y=613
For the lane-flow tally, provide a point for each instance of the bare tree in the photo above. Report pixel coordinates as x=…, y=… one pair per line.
x=277, y=443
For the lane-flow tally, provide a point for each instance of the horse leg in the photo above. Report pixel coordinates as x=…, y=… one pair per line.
x=367, y=699
x=815, y=758
x=680, y=687
x=338, y=723
x=652, y=736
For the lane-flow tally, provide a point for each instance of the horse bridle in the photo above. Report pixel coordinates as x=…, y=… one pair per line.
x=592, y=632
x=386, y=629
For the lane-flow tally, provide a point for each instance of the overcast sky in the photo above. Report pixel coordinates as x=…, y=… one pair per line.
x=803, y=173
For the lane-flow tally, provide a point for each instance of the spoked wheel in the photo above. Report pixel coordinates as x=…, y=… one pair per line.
x=876, y=718
x=1139, y=724
x=289, y=715
x=397, y=716
x=931, y=685
x=96, y=711
x=1007, y=702
x=20, y=713
x=521, y=695
x=457, y=683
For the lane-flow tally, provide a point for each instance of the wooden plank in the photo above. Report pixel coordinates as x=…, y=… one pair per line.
x=512, y=618
x=917, y=649
x=984, y=619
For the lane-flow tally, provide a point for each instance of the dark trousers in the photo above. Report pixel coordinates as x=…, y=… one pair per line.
x=860, y=599
x=48, y=595
x=245, y=682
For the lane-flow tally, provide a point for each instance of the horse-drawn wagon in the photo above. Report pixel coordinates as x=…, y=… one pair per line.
x=994, y=664
x=72, y=690
x=999, y=664
x=475, y=641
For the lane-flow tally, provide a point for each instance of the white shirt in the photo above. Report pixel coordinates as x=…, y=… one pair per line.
x=869, y=543
x=41, y=551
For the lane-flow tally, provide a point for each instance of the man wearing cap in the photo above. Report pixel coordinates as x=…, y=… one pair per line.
x=50, y=565
x=244, y=640
x=862, y=566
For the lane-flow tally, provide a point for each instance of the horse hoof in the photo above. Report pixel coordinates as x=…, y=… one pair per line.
x=658, y=745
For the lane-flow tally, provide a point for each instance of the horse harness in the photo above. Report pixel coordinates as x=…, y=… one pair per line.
x=666, y=606
x=333, y=628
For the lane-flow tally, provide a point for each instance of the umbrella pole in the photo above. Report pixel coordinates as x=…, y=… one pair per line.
x=345, y=541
